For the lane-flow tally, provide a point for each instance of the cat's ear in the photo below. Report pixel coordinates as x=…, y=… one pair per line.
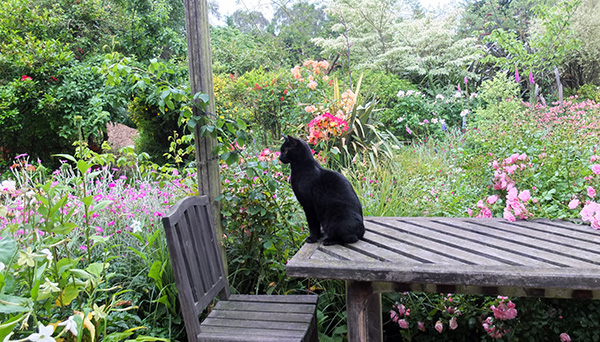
x=291, y=139
x=286, y=138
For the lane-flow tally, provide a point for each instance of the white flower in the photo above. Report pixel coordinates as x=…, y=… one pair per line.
x=400, y=93
x=457, y=94
x=7, y=338
x=8, y=185
x=434, y=120
x=439, y=97
x=136, y=226
x=464, y=113
x=400, y=119
x=48, y=254
x=410, y=92
x=473, y=95
x=49, y=286
x=44, y=334
x=2, y=266
x=70, y=325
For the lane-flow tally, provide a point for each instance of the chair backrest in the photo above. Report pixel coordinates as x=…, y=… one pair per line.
x=195, y=257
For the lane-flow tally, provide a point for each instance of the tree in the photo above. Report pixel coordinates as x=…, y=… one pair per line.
x=366, y=25
x=297, y=25
x=250, y=22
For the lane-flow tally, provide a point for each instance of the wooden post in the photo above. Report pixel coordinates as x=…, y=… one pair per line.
x=201, y=80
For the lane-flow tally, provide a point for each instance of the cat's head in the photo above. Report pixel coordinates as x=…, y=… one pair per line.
x=294, y=149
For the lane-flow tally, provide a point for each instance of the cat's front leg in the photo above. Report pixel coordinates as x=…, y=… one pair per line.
x=314, y=226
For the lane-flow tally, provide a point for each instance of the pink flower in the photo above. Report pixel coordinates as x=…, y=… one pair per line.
x=564, y=337
x=394, y=316
x=591, y=192
x=310, y=109
x=596, y=169
x=408, y=130
x=525, y=195
x=421, y=326
x=439, y=326
x=531, y=78
x=503, y=311
x=508, y=215
x=312, y=85
x=453, y=323
x=492, y=199
x=574, y=203
x=517, y=78
x=403, y=323
x=25, y=78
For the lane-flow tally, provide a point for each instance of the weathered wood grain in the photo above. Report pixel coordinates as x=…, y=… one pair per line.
x=200, y=278
x=540, y=258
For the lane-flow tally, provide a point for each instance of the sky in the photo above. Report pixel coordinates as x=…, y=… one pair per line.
x=227, y=7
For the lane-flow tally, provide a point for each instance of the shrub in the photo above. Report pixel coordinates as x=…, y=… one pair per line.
x=589, y=92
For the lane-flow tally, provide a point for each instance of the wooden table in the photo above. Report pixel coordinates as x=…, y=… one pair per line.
x=540, y=258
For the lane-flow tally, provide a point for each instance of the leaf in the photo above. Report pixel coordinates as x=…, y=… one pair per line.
x=66, y=156
x=83, y=166
x=156, y=273
x=69, y=293
x=96, y=268
x=64, y=228
x=102, y=205
x=144, y=338
x=8, y=248
x=14, y=304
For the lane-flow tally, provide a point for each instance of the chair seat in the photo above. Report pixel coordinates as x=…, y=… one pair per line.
x=261, y=318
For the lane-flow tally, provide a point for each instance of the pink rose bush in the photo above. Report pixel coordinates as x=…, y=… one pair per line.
x=515, y=202
x=503, y=311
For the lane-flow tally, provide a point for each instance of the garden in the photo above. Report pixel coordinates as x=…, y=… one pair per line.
x=485, y=109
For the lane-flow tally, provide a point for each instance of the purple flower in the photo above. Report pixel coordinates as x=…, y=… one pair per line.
x=531, y=78
x=517, y=78
x=466, y=80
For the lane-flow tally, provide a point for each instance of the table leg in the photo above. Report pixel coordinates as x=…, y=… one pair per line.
x=364, y=312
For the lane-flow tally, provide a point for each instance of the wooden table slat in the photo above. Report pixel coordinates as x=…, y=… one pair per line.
x=485, y=239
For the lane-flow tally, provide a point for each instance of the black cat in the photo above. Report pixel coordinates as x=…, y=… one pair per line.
x=327, y=197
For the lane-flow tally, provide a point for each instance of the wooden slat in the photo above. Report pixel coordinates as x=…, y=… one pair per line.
x=200, y=277
x=262, y=316
x=545, y=258
x=447, y=246
x=228, y=337
x=242, y=323
x=265, y=307
x=299, y=299
x=232, y=331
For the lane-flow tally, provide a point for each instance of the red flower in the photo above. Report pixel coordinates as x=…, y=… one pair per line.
x=52, y=78
x=282, y=98
x=25, y=78
x=256, y=86
x=285, y=92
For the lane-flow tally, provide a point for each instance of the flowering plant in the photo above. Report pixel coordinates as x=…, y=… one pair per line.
x=59, y=239
x=339, y=123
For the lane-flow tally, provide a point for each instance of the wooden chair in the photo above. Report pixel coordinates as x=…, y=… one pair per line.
x=200, y=277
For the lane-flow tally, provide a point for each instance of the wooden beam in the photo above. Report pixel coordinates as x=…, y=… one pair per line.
x=201, y=80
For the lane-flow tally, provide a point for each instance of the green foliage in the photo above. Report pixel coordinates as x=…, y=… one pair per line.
x=384, y=86
x=266, y=95
x=296, y=26
x=235, y=52
x=500, y=101
x=582, y=66
x=68, y=251
x=480, y=18
x=589, y=92
x=546, y=47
